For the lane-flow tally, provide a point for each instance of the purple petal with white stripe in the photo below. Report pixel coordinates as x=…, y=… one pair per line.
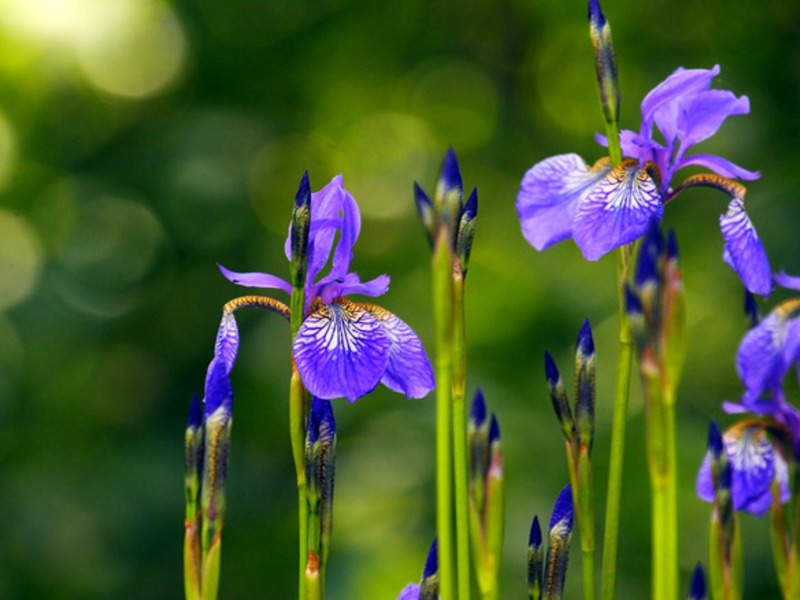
x=409, y=371
x=226, y=345
x=743, y=251
x=753, y=461
x=550, y=194
x=341, y=350
x=257, y=280
x=617, y=210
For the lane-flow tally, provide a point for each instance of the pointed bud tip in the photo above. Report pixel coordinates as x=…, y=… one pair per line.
x=650, y=253
x=303, y=195
x=715, y=445
x=421, y=198
x=494, y=430
x=698, y=589
x=672, y=246
x=535, y=537
x=633, y=305
x=432, y=562
x=551, y=370
x=450, y=176
x=321, y=423
x=195, y=413
x=478, y=412
x=471, y=207
x=563, y=509
x=585, y=339
x=596, y=16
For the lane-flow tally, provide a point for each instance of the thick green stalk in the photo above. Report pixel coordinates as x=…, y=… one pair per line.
x=460, y=435
x=443, y=323
x=586, y=522
x=614, y=494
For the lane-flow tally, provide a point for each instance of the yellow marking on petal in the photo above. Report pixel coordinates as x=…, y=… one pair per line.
x=602, y=164
x=728, y=186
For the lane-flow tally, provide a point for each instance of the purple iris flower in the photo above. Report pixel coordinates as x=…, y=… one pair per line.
x=605, y=206
x=755, y=466
x=410, y=592
x=346, y=348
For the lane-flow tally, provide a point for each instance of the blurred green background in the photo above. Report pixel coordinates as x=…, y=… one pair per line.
x=141, y=142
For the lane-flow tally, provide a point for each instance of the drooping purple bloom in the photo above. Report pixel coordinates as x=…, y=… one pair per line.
x=345, y=348
x=603, y=206
x=755, y=466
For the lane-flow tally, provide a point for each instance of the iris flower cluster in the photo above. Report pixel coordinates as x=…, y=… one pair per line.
x=605, y=206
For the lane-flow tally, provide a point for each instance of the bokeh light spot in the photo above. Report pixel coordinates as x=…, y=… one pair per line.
x=20, y=259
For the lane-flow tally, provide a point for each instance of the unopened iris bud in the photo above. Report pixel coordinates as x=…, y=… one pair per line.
x=425, y=212
x=495, y=499
x=648, y=267
x=449, y=194
x=673, y=313
x=429, y=587
x=320, y=475
x=585, y=385
x=478, y=443
x=751, y=310
x=636, y=318
x=466, y=230
x=560, y=534
x=605, y=62
x=535, y=561
x=558, y=396
x=301, y=222
x=194, y=457
x=698, y=585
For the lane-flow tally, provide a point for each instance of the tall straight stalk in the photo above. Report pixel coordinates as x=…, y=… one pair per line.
x=615, y=467
x=442, y=284
x=297, y=427
x=460, y=434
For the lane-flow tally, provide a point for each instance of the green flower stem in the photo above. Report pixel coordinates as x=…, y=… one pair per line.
x=586, y=526
x=460, y=434
x=297, y=429
x=614, y=494
x=210, y=583
x=660, y=433
x=191, y=561
x=443, y=323
x=792, y=586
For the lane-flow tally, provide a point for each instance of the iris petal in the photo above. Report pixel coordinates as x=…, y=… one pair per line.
x=744, y=252
x=550, y=194
x=719, y=165
x=681, y=82
x=409, y=371
x=753, y=460
x=759, y=358
x=617, y=210
x=258, y=280
x=410, y=592
x=341, y=350
x=702, y=114
x=226, y=346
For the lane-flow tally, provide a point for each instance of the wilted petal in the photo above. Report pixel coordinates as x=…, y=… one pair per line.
x=759, y=359
x=341, y=350
x=702, y=114
x=617, y=210
x=550, y=194
x=719, y=165
x=409, y=371
x=258, y=280
x=743, y=251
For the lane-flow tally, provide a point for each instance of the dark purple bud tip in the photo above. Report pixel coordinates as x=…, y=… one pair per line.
x=478, y=413
x=585, y=339
x=751, y=308
x=715, y=445
x=303, y=195
x=470, y=210
x=218, y=388
x=535, y=537
x=432, y=562
x=596, y=16
x=563, y=510
x=633, y=306
x=698, y=589
x=321, y=424
x=649, y=255
x=424, y=204
x=195, y=413
x=551, y=370
x=450, y=176
x=726, y=477
x=672, y=245
x=494, y=430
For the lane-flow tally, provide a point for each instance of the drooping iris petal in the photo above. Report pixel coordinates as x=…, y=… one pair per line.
x=656, y=106
x=341, y=350
x=550, y=194
x=702, y=114
x=409, y=371
x=226, y=345
x=719, y=165
x=753, y=461
x=258, y=280
x=218, y=392
x=790, y=282
x=617, y=210
x=759, y=359
x=410, y=592
x=744, y=252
